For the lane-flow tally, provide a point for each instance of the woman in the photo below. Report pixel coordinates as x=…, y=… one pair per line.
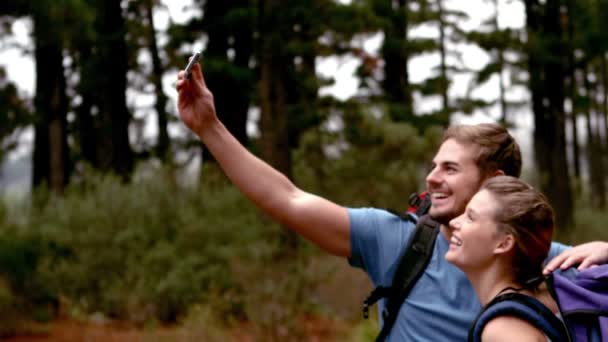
x=500, y=243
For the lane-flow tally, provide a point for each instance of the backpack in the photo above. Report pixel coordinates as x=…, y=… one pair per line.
x=582, y=298
x=412, y=264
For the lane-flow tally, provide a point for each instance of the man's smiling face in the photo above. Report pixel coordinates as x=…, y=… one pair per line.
x=453, y=180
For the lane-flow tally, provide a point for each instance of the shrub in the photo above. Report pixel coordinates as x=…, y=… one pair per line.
x=145, y=250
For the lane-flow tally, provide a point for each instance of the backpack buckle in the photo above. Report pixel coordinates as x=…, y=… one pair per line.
x=377, y=293
x=414, y=200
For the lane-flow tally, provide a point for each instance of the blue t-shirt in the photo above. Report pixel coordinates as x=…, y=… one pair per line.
x=442, y=305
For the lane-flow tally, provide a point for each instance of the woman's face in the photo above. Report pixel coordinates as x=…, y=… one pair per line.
x=475, y=234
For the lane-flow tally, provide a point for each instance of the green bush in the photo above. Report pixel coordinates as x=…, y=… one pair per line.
x=147, y=250
x=23, y=294
x=143, y=250
x=7, y=309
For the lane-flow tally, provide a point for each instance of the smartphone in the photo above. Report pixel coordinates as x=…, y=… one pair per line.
x=193, y=60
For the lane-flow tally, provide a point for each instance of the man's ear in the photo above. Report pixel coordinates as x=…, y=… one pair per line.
x=490, y=174
x=505, y=245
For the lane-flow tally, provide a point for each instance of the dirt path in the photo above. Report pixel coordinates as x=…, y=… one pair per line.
x=318, y=330
x=74, y=331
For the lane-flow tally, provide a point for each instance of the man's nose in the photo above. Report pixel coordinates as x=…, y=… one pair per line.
x=433, y=177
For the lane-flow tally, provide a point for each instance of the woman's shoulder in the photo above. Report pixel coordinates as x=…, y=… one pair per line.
x=509, y=328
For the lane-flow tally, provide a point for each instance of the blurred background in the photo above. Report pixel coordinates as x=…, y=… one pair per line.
x=115, y=221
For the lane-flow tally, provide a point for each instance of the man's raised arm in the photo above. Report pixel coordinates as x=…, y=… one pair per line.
x=316, y=219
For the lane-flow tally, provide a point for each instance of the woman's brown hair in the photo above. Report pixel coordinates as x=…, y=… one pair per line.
x=526, y=214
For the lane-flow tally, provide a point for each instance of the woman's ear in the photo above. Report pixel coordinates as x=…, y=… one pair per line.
x=505, y=245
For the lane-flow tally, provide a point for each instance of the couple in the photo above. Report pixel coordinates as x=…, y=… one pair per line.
x=443, y=302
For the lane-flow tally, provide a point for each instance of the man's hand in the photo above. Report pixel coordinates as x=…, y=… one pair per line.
x=195, y=100
x=586, y=255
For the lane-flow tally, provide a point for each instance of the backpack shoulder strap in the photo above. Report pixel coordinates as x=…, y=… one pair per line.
x=412, y=264
x=525, y=307
x=419, y=203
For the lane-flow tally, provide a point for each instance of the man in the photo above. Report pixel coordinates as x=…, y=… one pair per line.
x=442, y=304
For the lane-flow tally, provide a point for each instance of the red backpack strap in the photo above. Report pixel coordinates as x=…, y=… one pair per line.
x=419, y=203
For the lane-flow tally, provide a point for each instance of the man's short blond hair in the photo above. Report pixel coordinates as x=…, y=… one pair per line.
x=497, y=149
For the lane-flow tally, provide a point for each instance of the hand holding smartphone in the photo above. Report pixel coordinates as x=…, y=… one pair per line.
x=193, y=60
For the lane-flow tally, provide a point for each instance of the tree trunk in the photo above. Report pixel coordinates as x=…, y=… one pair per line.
x=572, y=91
x=546, y=85
x=594, y=146
x=238, y=106
x=162, y=143
x=51, y=155
x=443, y=77
x=230, y=78
x=112, y=82
x=301, y=84
x=396, y=83
x=87, y=129
x=596, y=175
x=604, y=106
x=501, y=66
x=273, y=97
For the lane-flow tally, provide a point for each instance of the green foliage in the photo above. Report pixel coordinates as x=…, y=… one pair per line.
x=13, y=115
x=151, y=249
x=18, y=259
x=7, y=309
x=23, y=293
x=373, y=161
x=589, y=220
x=590, y=226
x=143, y=250
x=366, y=331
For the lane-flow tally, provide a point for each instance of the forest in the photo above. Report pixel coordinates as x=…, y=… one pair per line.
x=145, y=229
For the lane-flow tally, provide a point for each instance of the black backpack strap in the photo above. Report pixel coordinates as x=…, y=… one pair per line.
x=521, y=306
x=411, y=266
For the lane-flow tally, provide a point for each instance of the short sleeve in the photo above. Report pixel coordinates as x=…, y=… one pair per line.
x=555, y=250
x=378, y=238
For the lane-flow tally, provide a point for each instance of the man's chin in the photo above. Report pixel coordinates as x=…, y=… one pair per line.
x=440, y=216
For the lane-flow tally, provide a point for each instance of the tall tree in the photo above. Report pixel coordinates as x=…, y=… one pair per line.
x=51, y=155
x=158, y=70
x=111, y=75
x=81, y=43
x=228, y=54
x=447, y=20
x=288, y=45
x=498, y=42
x=594, y=145
x=443, y=69
x=572, y=89
x=273, y=60
x=396, y=54
x=547, y=74
x=586, y=40
x=87, y=134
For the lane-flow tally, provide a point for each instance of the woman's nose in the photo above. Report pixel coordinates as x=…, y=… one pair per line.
x=455, y=223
